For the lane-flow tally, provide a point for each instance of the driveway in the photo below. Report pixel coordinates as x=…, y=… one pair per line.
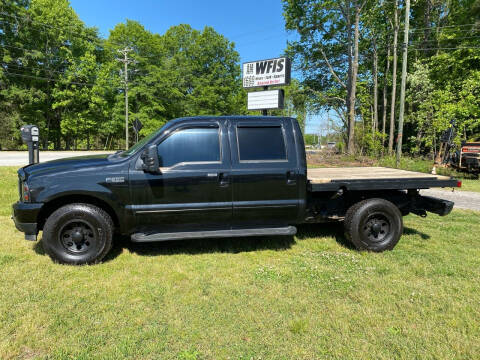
x=20, y=158
x=463, y=199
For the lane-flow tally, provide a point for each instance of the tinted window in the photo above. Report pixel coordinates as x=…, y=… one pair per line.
x=261, y=143
x=190, y=145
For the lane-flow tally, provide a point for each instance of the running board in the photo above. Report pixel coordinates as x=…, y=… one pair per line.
x=141, y=237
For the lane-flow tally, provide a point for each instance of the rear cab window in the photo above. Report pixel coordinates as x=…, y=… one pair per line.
x=261, y=143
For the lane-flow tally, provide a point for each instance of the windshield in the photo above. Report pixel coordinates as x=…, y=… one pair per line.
x=139, y=144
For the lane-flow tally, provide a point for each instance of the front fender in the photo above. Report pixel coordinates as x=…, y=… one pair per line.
x=89, y=188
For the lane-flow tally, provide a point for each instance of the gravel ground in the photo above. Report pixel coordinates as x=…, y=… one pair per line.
x=20, y=158
x=462, y=199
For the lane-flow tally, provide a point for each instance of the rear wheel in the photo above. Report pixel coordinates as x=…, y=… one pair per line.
x=374, y=225
x=78, y=234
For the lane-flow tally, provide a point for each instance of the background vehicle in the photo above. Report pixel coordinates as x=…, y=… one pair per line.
x=466, y=159
x=213, y=177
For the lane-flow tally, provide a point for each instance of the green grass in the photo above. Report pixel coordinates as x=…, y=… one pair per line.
x=307, y=297
x=8, y=189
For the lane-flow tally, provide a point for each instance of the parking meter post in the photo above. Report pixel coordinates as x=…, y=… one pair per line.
x=30, y=152
x=30, y=136
x=36, y=152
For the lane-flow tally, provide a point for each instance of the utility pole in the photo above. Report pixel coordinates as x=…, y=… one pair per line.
x=404, y=82
x=125, y=61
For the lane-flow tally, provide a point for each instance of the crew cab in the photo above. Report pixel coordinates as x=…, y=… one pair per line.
x=210, y=177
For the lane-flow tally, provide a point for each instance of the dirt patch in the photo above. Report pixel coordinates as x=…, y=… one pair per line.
x=330, y=159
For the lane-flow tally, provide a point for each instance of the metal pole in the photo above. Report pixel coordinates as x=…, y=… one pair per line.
x=36, y=155
x=126, y=101
x=265, y=111
x=404, y=81
x=125, y=61
x=31, y=158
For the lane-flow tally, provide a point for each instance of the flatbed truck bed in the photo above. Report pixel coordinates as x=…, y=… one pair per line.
x=373, y=178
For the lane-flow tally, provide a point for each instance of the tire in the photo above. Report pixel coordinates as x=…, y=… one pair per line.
x=373, y=225
x=78, y=234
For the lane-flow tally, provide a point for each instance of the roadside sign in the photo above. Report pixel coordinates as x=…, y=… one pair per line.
x=137, y=125
x=263, y=100
x=268, y=72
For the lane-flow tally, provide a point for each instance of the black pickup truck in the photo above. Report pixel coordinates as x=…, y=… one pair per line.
x=210, y=177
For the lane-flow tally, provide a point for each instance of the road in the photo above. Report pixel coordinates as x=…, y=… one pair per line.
x=20, y=158
x=462, y=199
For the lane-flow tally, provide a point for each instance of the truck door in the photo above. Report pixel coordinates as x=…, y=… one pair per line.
x=192, y=191
x=264, y=172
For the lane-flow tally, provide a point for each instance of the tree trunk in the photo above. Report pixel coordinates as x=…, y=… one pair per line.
x=404, y=82
x=372, y=119
x=394, y=81
x=385, y=98
x=353, y=84
x=375, y=89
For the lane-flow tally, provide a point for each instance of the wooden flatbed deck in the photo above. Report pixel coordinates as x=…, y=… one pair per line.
x=373, y=178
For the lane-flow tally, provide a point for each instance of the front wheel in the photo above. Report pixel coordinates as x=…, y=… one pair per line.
x=374, y=225
x=78, y=234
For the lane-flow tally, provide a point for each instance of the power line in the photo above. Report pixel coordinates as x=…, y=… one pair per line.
x=441, y=27
x=36, y=22
x=65, y=72
x=99, y=39
x=8, y=73
x=73, y=35
x=448, y=48
x=444, y=40
x=453, y=32
x=261, y=40
x=102, y=40
x=254, y=32
x=34, y=52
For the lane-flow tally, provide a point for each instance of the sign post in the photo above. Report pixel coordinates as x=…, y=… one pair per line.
x=137, y=126
x=265, y=73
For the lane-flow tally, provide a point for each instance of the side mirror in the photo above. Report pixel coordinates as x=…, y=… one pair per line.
x=150, y=160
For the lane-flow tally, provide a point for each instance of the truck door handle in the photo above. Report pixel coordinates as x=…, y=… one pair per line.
x=291, y=177
x=223, y=180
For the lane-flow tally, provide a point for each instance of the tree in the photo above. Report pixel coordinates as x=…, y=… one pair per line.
x=47, y=37
x=181, y=73
x=297, y=103
x=327, y=51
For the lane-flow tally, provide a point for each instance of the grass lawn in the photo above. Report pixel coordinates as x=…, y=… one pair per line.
x=307, y=297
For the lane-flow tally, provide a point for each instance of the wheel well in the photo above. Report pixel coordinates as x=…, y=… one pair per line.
x=57, y=203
